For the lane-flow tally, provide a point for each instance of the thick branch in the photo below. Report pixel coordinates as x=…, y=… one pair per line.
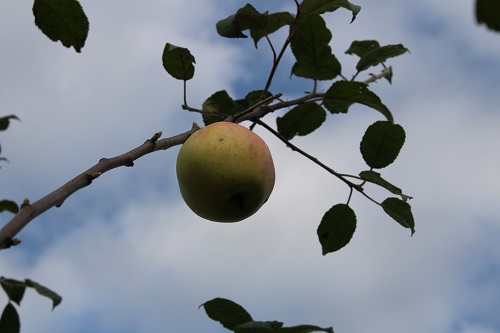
x=29, y=211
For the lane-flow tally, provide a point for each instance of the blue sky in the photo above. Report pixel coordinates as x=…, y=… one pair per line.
x=127, y=255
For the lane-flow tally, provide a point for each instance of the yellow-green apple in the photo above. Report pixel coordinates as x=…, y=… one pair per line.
x=225, y=172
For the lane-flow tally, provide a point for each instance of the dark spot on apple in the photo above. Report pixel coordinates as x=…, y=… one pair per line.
x=221, y=139
x=238, y=199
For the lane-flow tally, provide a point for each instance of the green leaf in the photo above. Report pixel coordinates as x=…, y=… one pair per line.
x=322, y=6
x=8, y=205
x=375, y=178
x=274, y=22
x=230, y=27
x=400, y=211
x=488, y=13
x=301, y=120
x=221, y=104
x=9, y=322
x=251, y=99
x=380, y=55
x=305, y=329
x=5, y=121
x=62, y=20
x=336, y=228
x=381, y=143
x=44, y=291
x=178, y=62
x=226, y=312
x=342, y=94
x=311, y=49
x=259, y=327
x=361, y=47
x=14, y=289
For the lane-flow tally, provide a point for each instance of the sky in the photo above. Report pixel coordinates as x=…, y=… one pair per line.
x=128, y=255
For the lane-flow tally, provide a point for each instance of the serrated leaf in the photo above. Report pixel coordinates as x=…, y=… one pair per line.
x=5, y=121
x=400, y=211
x=487, y=12
x=9, y=321
x=259, y=327
x=336, y=228
x=275, y=21
x=361, y=47
x=305, y=329
x=310, y=7
x=8, y=205
x=342, y=94
x=230, y=27
x=44, y=291
x=375, y=178
x=62, y=20
x=221, y=104
x=301, y=120
x=380, y=55
x=311, y=49
x=14, y=289
x=226, y=312
x=382, y=143
x=249, y=18
x=178, y=62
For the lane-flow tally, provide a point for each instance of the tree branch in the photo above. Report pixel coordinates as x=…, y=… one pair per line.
x=29, y=211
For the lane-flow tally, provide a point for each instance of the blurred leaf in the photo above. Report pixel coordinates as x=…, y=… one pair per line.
x=311, y=49
x=8, y=205
x=375, y=178
x=274, y=22
x=301, y=120
x=5, y=121
x=219, y=103
x=361, y=47
x=380, y=55
x=251, y=99
x=305, y=329
x=336, y=228
x=178, y=62
x=400, y=211
x=44, y=291
x=323, y=6
x=259, y=327
x=488, y=13
x=9, y=322
x=342, y=94
x=62, y=20
x=14, y=289
x=226, y=312
x=381, y=143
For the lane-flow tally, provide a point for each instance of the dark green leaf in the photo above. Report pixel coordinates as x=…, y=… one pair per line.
x=5, y=121
x=14, y=289
x=226, y=312
x=251, y=99
x=400, y=211
x=305, y=329
x=249, y=18
x=375, y=178
x=336, y=228
x=44, y=291
x=221, y=105
x=8, y=205
x=274, y=22
x=9, y=322
x=230, y=27
x=342, y=94
x=381, y=143
x=379, y=55
x=488, y=13
x=361, y=47
x=62, y=20
x=322, y=6
x=259, y=327
x=178, y=62
x=301, y=120
x=312, y=51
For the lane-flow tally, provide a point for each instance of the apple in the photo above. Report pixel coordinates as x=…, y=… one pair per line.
x=225, y=172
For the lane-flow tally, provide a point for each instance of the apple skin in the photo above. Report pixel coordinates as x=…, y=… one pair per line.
x=225, y=172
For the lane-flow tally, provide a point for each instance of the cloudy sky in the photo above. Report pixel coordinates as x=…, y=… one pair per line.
x=128, y=256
